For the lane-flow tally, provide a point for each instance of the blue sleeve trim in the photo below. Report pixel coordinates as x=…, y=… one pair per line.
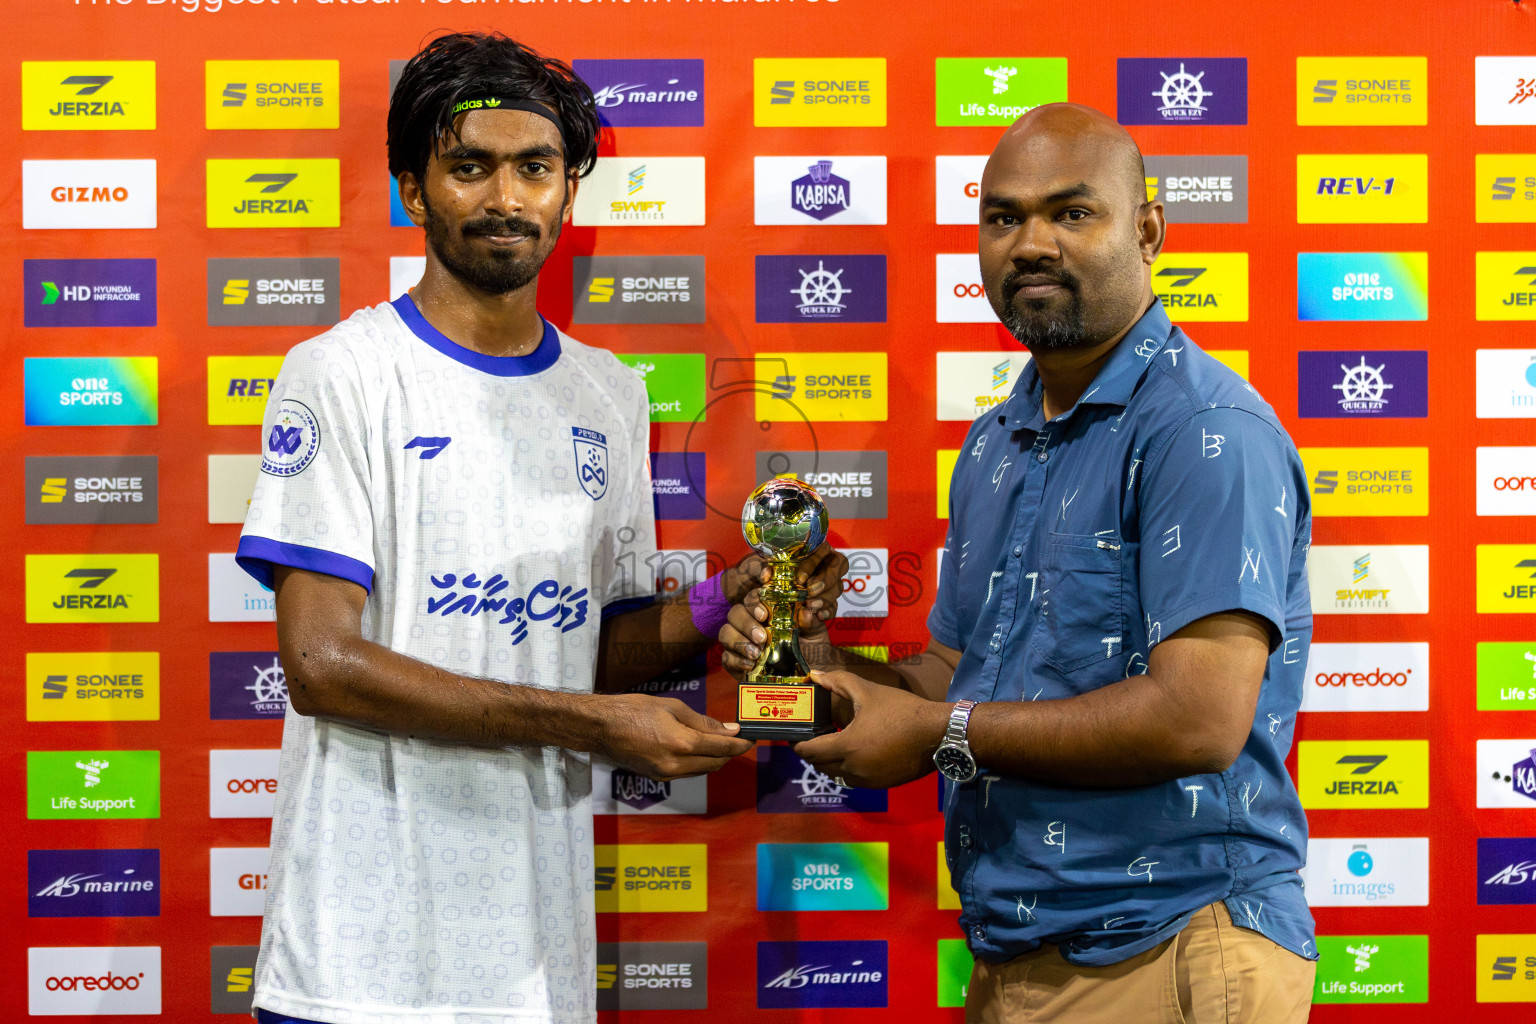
x=257, y=556
x=628, y=604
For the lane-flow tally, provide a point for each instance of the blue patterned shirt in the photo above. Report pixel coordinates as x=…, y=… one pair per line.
x=1170, y=492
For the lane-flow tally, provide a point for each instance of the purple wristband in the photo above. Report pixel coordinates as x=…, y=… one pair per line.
x=709, y=606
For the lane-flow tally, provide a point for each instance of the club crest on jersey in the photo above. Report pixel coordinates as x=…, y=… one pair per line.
x=591, y=461
x=292, y=443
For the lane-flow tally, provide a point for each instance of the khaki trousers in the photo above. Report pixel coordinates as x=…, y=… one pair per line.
x=1212, y=972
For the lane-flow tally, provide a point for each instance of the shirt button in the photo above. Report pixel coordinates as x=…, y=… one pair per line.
x=965, y=842
x=979, y=933
x=996, y=645
x=1041, y=457
x=1018, y=549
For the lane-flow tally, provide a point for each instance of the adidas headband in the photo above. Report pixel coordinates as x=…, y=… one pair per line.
x=508, y=103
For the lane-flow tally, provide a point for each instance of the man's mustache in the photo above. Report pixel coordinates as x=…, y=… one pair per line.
x=1015, y=279
x=502, y=226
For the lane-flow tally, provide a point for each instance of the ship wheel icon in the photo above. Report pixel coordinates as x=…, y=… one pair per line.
x=271, y=684
x=1183, y=90
x=1362, y=383
x=821, y=287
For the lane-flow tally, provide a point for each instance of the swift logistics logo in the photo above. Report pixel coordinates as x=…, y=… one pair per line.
x=1188, y=90
x=652, y=976
x=638, y=289
x=621, y=791
x=272, y=94
x=89, y=293
x=1505, y=186
x=237, y=880
x=274, y=292
x=815, y=190
x=1365, y=384
x=1362, y=286
x=641, y=93
x=1367, y=677
x=1202, y=286
x=1372, y=969
x=675, y=383
x=1506, y=285
x=634, y=877
x=1199, y=189
x=823, y=876
x=1506, y=481
x=1506, y=676
x=788, y=785
x=679, y=484
x=1362, y=188
x=820, y=289
x=238, y=388
x=792, y=975
x=1368, y=481
x=1362, y=90
x=1506, y=90
x=995, y=90
x=1506, y=578
x=1506, y=383
x=105, y=686
x=72, y=96
x=232, y=970
x=970, y=383
x=274, y=193
x=93, y=194
x=93, y=883
x=1362, y=773
x=1506, y=872
x=1367, y=872
x=1506, y=968
x=1380, y=579
x=854, y=484
x=642, y=191
x=72, y=489
x=246, y=685
x=806, y=92
x=822, y=387
x=93, y=980
x=242, y=783
x=93, y=784
x=93, y=588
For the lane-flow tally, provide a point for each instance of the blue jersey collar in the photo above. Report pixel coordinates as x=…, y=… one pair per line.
x=537, y=361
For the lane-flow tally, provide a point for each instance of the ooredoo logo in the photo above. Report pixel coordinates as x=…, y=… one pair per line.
x=1367, y=677
x=242, y=783
x=93, y=980
x=959, y=297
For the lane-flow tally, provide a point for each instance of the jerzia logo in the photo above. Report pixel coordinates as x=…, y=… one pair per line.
x=1347, y=773
x=87, y=95
x=1203, y=285
x=274, y=193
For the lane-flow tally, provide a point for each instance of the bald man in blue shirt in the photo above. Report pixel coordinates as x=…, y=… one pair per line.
x=1119, y=636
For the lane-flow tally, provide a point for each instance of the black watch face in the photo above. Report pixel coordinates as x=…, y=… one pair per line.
x=955, y=763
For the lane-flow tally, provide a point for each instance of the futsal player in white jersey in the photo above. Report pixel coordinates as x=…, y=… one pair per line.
x=453, y=501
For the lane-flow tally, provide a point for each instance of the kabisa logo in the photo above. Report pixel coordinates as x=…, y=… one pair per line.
x=1506, y=578
x=88, y=194
x=93, y=980
x=1506, y=773
x=232, y=972
x=821, y=386
x=652, y=975
x=788, y=785
x=89, y=293
x=272, y=94
x=1361, y=90
x=1506, y=673
x=636, y=93
x=679, y=484
x=92, y=489
x=813, y=289
x=1367, y=677
x=819, y=194
x=246, y=685
x=93, y=588
x=853, y=483
x=93, y=784
x=1363, y=773
x=635, y=790
x=1202, y=285
x=242, y=783
x=1506, y=90
x=819, y=190
x=1368, y=481
x=642, y=190
x=87, y=95
x=635, y=877
x=1376, y=384
x=818, y=93
x=638, y=289
x=996, y=90
x=1362, y=286
x=1506, y=286
x=1189, y=90
x=1384, y=579
x=1199, y=189
x=1372, y=969
x=791, y=975
x=546, y=606
x=1367, y=872
x=621, y=791
x=237, y=881
x=93, y=883
x=822, y=876
x=298, y=193
x=1362, y=188
x=1506, y=872
x=1506, y=383
x=238, y=388
x=293, y=442
x=116, y=686
x=303, y=291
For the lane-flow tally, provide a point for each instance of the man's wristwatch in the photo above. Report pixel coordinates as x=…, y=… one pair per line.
x=953, y=757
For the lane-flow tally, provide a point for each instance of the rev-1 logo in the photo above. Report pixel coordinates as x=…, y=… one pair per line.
x=1353, y=186
x=547, y=602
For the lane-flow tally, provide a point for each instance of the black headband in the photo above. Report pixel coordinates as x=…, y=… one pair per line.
x=508, y=103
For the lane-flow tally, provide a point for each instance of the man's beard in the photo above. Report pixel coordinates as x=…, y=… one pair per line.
x=1033, y=324
x=496, y=271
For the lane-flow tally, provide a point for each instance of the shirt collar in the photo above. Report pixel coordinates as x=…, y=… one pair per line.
x=1114, y=384
x=537, y=361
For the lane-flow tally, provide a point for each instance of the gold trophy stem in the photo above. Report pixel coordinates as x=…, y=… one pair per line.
x=781, y=659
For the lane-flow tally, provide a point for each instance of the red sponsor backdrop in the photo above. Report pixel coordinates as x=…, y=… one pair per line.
x=365, y=36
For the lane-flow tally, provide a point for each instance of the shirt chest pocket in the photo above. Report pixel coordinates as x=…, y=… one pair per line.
x=1080, y=614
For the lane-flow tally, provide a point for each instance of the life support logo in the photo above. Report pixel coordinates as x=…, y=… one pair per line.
x=293, y=441
x=591, y=461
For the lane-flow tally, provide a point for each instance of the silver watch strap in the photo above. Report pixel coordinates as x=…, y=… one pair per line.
x=959, y=720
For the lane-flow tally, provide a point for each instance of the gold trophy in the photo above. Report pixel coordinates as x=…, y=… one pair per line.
x=784, y=520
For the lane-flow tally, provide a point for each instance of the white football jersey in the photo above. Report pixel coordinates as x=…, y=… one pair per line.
x=495, y=508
